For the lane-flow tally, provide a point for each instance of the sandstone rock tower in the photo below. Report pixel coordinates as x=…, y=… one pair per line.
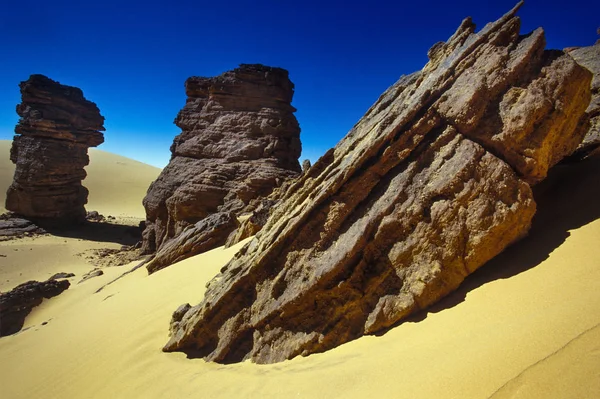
x=56, y=128
x=589, y=57
x=239, y=140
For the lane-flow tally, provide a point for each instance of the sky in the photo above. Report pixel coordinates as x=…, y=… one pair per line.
x=132, y=58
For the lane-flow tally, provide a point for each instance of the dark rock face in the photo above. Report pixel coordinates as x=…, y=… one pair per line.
x=306, y=165
x=56, y=128
x=61, y=275
x=13, y=226
x=589, y=57
x=16, y=304
x=239, y=140
x=254, y=223
x=91, y=274
x=429, y=185
x=209, y=233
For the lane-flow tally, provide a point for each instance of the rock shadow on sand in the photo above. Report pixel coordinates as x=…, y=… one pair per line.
x=566, y=200
x=100, y=231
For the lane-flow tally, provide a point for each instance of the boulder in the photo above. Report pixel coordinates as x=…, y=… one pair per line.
x=428, y=186
x=61, y=275
x=16, y=304
x=91, y=274
x=306, y=165
x=239, y=140
x=252, y=223
x=56, y=127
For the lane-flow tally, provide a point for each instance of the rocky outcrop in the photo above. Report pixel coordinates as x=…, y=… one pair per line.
x=91, y=274
x=13, y=226
x=239, y=140
x=61, y=275
x=56, y=127
x=589, y=57
x=209, y=233
x=16, y=304
x=252, y=224
x=428, y=186
x=306, y=165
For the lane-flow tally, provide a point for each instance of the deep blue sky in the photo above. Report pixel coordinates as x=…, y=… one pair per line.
x=132, y=58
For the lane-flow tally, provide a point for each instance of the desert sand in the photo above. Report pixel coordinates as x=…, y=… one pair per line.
x=526, y=325
x=116, y=186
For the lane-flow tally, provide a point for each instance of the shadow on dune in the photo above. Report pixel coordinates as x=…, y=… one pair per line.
x=100, y=231
x=566, y=200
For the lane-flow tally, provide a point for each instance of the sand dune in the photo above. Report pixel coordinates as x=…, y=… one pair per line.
x=116, y=184
x=524, y=326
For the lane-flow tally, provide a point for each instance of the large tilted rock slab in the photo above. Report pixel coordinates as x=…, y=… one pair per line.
x=240, y=139
x=589, y=57
x=430, y=184
x=56, y=127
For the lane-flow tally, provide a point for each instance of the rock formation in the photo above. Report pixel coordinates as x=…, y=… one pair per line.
x=16, y=304
x=209, y=233
x=12, y=226
x=253, y=223
x=429, y=185
x=589, y=57
x=56, y=127
x=306, y=165
x=240, y=139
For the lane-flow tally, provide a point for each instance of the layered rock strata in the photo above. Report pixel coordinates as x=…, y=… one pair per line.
x=589, y=57
x=56, y=127
x=16, y=304
x=209, y=233
x=240, y=139
x=428, y=186
x=253, y=223
x=12, y=226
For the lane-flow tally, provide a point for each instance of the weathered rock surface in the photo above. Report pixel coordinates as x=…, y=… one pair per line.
x=16, y=304
x=240, y=139
x=429, y=185
x=56, y=127
x=589, y=57
x=107, y=257
x=256, y=220
x=209, y=233
x=13, y=226
x=252, y=224
x=91, y=274
x=61, y=275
